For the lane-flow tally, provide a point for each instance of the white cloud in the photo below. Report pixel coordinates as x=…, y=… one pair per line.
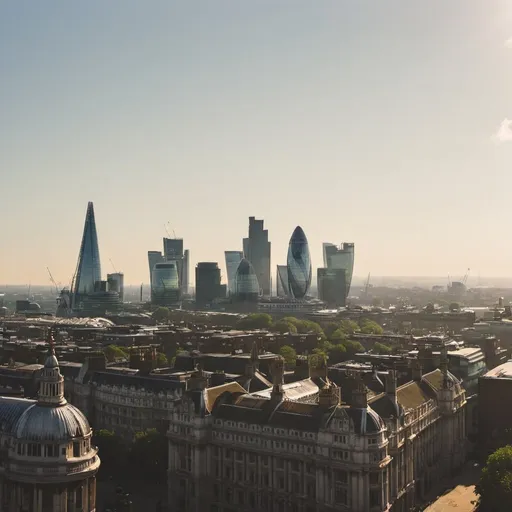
x=504, y=133
x=508, y=43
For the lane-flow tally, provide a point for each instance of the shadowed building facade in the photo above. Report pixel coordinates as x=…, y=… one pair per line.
x=257, y=251
x=233, y=259
x=341, y=257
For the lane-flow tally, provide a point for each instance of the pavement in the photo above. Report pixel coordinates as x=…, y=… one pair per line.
x=460, y=495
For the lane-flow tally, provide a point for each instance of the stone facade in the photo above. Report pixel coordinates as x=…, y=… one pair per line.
x=47, y=462
x=297, y=448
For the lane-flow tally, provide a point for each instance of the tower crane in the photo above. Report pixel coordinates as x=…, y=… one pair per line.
x=113, y=266
x=53, y=281
x=367, y=285
x=464, y=280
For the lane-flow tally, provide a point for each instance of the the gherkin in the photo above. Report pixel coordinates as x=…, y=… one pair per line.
x=299, y=264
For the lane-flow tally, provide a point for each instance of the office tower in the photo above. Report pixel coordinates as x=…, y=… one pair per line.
x=283, y=289
x=173, y=251
x=116, y=284
x=165, y=287
x=186, y=272
x=247, y=288
x=154, y=257
x=332, y=286
x=208, y=287
x=257, y=252
x=233, y=259
x=299, y=264
x=341, y=257
x=88, y=269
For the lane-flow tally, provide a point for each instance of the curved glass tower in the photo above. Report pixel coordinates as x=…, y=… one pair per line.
x=88, y=270
x=246, y=287
x=299, y=264
x=165, y=283
x=233, y=259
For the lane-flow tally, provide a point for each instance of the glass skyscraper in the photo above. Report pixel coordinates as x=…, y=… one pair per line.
x=283, y=289
x=173, y=251
x=88, y=270
x=331, y=286
x=247, y=287
x=299, y=264
x=233, y=259
x=341, y=257
x=257, y=251
x=165, y=288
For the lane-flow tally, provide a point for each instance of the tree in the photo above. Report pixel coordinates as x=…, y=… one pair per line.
x=149, y=455
x=330, y=328
x=161, y=360
x=255, y=321
x=337, y=353
x=353, y=347
x=161, y=314
x=495, y=485
x=454, y=307
x=349, y=326
x=338, y=336
x=114, y=452
x=380, y=348
x=371, y=327
x=114, y=353
x=282, y=326
x=288, y=353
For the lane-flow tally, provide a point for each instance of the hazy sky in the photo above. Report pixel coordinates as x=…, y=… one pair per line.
x=385, y=123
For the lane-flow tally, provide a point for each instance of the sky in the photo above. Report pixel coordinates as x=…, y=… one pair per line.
x=387, y=124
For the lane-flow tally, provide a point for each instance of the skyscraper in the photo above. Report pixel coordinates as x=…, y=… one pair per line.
x=116, y=284
x=186, y=269
x=257, y=252
x=173, y=251
x=233, y=259
x=341, y=257
x=208, y=287
x=332, y=288
x=299, y=264
x=283, y=289
x=88, y=269
x=246, y=283
x=165, y=289
x=154, y=257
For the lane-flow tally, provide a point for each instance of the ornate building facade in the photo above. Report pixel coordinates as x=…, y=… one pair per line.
x=47, y=461
x=298, y=448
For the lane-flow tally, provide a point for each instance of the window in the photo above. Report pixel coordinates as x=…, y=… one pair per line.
x=341, y=495
x=374, y=498
x=341, y=477
x=76, y=449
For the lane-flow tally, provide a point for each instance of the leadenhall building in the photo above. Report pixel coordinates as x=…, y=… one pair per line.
x=47, y=461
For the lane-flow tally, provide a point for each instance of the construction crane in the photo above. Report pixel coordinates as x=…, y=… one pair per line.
x=464, y=280
x=168, y=232
x=53, y=281
x=113, y=266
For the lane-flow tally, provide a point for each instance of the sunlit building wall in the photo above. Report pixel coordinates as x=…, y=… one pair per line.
x=282, y=287
x=233, y=259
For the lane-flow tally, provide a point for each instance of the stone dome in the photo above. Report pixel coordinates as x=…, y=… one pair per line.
x=41, y=423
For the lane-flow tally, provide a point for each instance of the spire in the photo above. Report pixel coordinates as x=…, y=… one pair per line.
x=51, y=387
x=277, y=378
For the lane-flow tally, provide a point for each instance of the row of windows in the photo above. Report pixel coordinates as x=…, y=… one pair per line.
x=52, y=450
x=265, y=443
x=266, y=429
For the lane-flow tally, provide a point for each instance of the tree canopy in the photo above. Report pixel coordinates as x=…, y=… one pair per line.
x=370, y=327
x=495, y=486
x=161, y=360
x=161, y=314
x=282, y=326
x=255, y=321
x=113, y=353
x=288, y=353
x=380, y=348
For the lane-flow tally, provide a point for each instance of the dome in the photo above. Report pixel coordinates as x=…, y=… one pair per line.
x=42, y=423
x=246, y=282
x=299, y=264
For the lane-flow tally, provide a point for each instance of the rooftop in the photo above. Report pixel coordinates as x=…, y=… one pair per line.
x=504, y=371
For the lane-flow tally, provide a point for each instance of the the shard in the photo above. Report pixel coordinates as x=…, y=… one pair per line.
x=88, y=270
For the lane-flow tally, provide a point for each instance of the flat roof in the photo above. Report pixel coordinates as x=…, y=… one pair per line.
x=504, y=371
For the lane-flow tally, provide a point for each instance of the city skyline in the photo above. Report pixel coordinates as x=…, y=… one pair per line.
x=384, y=125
